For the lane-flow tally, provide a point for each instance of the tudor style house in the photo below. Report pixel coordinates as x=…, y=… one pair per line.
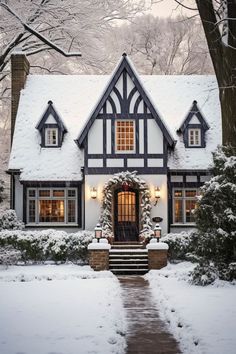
x=72, y=134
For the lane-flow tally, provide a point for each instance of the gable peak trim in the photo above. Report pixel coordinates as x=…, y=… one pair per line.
x=124, y=64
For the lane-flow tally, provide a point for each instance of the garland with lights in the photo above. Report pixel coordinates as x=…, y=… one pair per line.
x=126, y=180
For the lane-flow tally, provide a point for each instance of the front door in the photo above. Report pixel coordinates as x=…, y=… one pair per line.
x=126, y=215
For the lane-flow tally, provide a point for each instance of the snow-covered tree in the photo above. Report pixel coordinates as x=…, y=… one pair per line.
x=218, y=19
x=145, y=41
x=216, y=215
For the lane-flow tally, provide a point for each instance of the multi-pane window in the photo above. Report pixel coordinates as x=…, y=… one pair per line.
x=194, y=137
x=52, y=205
x=125, y=136
x=51, y=137
x=184, y=202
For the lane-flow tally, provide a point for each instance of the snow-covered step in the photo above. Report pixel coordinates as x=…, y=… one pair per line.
x=128, y=250
x=127, y=271
x=130, y=260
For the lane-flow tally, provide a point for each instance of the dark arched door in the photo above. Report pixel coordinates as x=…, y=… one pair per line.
x=126, y=215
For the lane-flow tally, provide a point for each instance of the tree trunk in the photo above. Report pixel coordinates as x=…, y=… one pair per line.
x=224, y=62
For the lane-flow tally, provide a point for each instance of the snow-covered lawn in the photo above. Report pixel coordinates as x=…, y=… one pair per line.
x=66, y=309
x=203, y=319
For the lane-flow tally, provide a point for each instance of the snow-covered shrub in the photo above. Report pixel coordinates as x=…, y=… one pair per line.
x=180, y=245
x=204, y=274
x=9, y=220
x=48, y=244
x=216, y=215
x=9, y=255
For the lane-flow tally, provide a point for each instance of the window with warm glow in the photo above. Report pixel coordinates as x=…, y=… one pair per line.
x=184, y=203
x=194, y=137
x=49, y=205
x=125, y=136
x=51, y=137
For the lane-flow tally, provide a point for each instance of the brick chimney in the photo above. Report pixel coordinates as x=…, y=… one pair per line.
x=19, y=71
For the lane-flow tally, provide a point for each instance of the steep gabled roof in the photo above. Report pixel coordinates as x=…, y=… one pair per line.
x=50, y=110
x=125, y=64
x=194, y=111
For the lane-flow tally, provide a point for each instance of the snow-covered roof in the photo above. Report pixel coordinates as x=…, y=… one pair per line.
x=75, y=96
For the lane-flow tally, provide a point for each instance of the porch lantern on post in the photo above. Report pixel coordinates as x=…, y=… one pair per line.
x=98, y=232
x=93, y=193
x=157, y=232
x=157, y=194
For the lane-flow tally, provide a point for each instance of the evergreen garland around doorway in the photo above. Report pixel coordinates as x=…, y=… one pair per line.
x=118, y=180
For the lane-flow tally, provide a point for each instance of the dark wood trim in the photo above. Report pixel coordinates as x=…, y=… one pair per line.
x=131, y=94
x=112, y=103
x=112, y=170
x=137, y=103
x=129, y=156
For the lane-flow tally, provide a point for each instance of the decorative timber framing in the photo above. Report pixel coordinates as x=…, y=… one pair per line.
x=124, y=67
x=43, y=125
x=125, y=104
x=200, y=124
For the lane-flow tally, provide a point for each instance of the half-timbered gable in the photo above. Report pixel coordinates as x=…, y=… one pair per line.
x=125, y=131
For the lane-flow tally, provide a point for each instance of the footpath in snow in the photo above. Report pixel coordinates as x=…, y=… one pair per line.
x=202, y=319
x=66, y=309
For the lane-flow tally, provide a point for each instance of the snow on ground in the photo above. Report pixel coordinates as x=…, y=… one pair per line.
x=64, y=309
x=203, y=319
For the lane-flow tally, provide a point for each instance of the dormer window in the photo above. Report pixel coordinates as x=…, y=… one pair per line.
x=51, y=128
x=194, y=137
x=51, y=137
x=194, y=128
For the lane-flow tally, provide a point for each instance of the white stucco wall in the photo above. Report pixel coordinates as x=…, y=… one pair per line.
x=95, y=138
x=93, y=206
x=155, y=137
x=18, y=198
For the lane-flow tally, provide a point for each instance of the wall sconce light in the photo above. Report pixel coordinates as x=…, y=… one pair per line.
x=93, y=193
x=98, y=232
x=157, y=194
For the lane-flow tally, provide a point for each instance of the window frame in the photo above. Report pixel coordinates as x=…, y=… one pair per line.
x=194, y=137
x=183, y=199
x=45, y=136
x=134, y=140
x=66, y=199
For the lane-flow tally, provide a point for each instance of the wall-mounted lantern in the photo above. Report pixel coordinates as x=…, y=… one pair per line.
x=93, y=193
x=157, y=232
x=98, y=232
x=157, y=194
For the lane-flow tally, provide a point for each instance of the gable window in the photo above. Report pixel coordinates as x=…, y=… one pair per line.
x=184, y=203
x=194, y=137
x=52, y=205
x=125, y=136
x=51, y=137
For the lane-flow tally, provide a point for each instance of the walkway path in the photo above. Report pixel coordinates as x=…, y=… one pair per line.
x=146, y=333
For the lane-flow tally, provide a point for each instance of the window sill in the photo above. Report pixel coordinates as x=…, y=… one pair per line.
x=183, y=225
x=51, y=225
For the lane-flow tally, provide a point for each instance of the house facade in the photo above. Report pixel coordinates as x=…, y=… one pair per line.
x=125, y=149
